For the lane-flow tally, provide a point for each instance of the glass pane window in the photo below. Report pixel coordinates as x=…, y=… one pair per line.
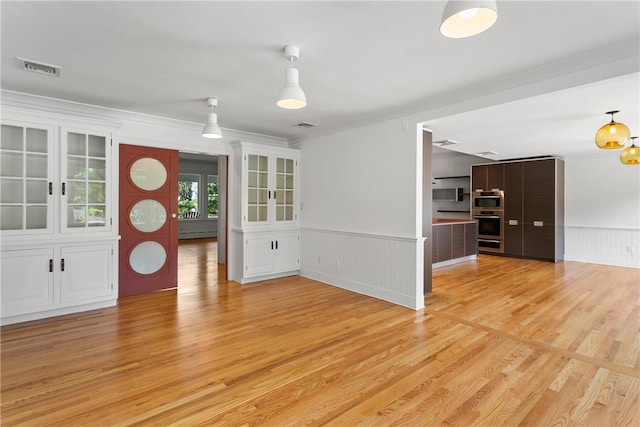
x=258, y=190
x=284, y=189
x=188, y=190
x=25, y=175
x=212, y=195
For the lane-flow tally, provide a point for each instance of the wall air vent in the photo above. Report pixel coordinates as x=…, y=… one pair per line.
x=39, y=67
x=444, y=142
x=306, y=125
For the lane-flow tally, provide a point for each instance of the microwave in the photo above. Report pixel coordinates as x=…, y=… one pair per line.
x=491, y=200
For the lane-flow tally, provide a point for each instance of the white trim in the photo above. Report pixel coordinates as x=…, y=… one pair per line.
x=70, y=109
x=76, y=309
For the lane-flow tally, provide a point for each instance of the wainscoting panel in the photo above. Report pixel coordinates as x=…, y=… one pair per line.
x=599, y=245
x=379, y=266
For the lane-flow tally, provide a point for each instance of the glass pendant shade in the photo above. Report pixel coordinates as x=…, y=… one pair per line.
x=631, y=154
x=466, y=18
x=292, y=96
x=211, y=129
x=613, y=135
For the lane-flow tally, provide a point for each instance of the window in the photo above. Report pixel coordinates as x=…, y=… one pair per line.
x=212, y=195
x=188, y=190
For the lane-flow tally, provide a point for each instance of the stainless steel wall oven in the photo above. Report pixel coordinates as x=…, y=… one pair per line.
x=487, y=208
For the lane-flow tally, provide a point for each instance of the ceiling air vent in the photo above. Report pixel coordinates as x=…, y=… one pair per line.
x=39, y=67
x=306, y=125
x=444, y=142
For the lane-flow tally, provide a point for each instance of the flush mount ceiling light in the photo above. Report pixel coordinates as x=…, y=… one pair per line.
x=612, y=135
x=291, y=96
x=631, y=154
x=466, y=18
x=211, y=129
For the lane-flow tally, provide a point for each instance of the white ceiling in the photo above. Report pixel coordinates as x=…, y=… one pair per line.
x=360, y=61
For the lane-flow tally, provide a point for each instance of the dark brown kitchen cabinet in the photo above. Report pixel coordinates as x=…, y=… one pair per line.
x=443, y=246
x=487, y=177
x=454, y=240
x=534, y=209
x=513, y=208
x=471, y=238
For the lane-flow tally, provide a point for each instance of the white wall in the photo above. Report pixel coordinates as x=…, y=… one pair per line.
x=450, y=163
x=359, y=201
x=602, y=210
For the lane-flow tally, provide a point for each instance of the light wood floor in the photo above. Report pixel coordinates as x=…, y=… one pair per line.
x=502, y=342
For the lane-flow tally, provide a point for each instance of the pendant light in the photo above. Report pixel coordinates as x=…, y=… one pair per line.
x=466, y=18
x=211, y=129
x=612, y=135
x=291, y=96
x=631, y=154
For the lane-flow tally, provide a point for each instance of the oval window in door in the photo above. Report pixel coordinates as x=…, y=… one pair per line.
x=147, y=257
x=148, y=215
x=148, y=173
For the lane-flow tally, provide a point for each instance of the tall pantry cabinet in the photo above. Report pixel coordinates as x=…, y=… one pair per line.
x=534, y=209
x=265, y=230
x=59, y=242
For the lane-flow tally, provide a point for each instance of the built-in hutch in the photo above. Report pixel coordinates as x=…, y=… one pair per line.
x=59, y=243
x=266, y=232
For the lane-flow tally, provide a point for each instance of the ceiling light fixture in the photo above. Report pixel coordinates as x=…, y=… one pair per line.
x=466, y=18
x=631, y=154
x=211, y=129
x=612, y=135
x=291, y=96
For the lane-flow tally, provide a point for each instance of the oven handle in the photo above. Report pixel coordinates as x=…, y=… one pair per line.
x=489, y=240
x=487, y=216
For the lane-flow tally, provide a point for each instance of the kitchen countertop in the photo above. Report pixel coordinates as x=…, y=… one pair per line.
x=440, y=221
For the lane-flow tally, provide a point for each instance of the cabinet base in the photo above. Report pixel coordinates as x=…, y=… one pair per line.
x=556, y=260
x=10, y=320
x=245, y=280
x=454, y=261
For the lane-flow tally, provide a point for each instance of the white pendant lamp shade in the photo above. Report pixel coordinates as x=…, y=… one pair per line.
x=292, y=96
x=211, y=129
x=466, y=18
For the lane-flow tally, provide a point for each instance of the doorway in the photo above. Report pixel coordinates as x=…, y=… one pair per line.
x=150, y=221
x=202, y=217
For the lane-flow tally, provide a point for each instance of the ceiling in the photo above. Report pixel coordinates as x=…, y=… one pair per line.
x=538, y=82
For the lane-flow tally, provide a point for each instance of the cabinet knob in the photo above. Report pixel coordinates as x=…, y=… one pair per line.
x=173, y=215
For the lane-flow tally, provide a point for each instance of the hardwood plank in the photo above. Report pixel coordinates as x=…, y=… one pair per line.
x=502, y=341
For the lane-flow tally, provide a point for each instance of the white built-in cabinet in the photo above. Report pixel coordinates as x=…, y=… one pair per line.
x=59, y=243
x=265, y=231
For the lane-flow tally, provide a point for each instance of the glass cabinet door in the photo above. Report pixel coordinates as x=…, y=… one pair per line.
x=257, y=188
x=285, y=177
x=26, y=170
x=85, y=185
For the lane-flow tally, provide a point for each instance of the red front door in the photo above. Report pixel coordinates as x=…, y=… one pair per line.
x=148, y=220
